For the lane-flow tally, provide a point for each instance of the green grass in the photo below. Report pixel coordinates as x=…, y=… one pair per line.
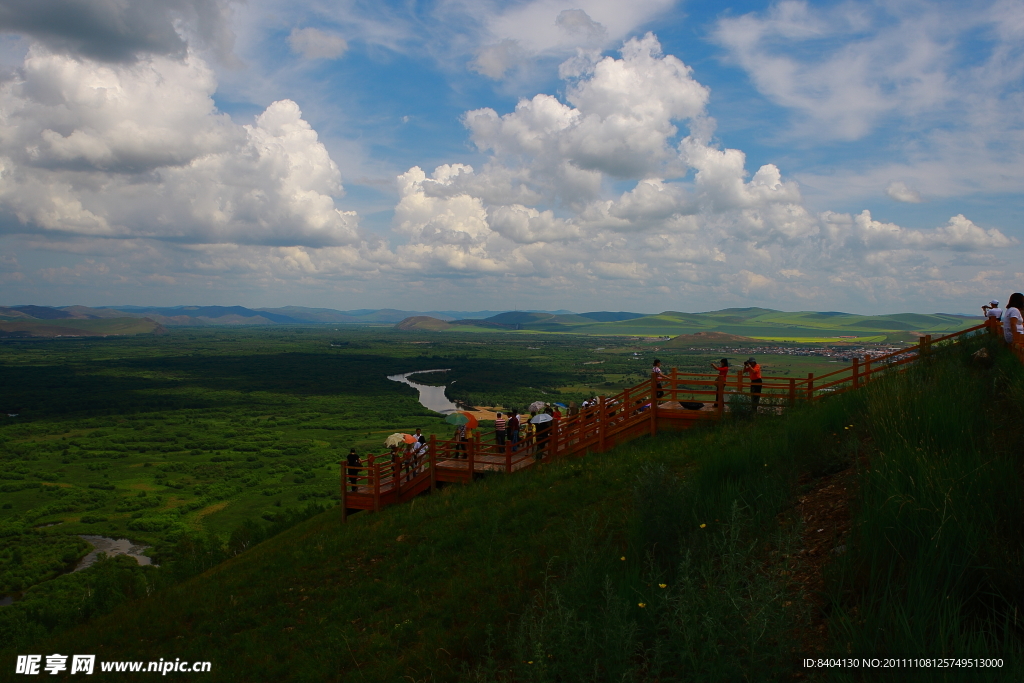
x=938, y=551
x=827, y=340
x=802, y=326
x=373, y=607
x=520, y=578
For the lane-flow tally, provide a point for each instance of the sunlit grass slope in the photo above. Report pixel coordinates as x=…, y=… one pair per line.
x=754, y=322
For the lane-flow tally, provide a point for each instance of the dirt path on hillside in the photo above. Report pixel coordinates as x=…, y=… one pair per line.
x=825, y=514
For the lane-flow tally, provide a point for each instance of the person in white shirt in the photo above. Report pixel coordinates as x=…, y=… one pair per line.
x=992, y=310
x=1013, y=320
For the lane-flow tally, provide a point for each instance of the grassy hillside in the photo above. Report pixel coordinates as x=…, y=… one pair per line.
x=682, y=557
x=760, y=323
x=72, y=327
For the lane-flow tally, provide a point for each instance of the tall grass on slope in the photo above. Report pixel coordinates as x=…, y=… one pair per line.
x=696, y=590
x=937, y=553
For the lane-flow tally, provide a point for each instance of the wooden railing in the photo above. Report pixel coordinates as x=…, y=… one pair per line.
x=672, y=400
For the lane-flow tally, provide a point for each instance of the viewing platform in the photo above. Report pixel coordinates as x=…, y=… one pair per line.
x=671, y=401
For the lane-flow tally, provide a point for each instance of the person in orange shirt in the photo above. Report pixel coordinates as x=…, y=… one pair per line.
x=756, y=383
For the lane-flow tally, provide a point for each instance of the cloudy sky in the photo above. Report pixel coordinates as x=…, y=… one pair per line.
x=586, y=154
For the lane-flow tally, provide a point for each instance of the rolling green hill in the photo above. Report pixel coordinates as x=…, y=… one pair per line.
x=72, y=327
x=760, y=323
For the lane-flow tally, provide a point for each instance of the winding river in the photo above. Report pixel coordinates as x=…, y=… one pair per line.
x=431, y=398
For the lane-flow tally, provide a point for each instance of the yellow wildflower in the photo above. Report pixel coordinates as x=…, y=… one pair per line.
x=642, y=604
x=703, y=525
x=662, y=585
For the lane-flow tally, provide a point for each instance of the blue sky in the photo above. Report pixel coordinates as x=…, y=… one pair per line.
x=861, y=156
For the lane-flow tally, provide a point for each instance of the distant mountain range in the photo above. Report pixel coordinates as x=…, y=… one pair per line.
x=234, y=315
x=761, y=323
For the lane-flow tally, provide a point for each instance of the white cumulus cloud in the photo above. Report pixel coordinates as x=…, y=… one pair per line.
x=138, y=149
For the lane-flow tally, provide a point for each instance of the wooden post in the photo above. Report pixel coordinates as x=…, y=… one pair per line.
x=810, y=386
x=508, y=457
x=602, y=416
x=396, y=477
x=433, y=461
x=556, y=436
x=867, y=369
x=720, y=395
x=654, y=407
x=376, y=488
x=471, y=447
x=344, y=493
x=674, y=396
x=924, y=346
x=856, y=372
x=792, y=392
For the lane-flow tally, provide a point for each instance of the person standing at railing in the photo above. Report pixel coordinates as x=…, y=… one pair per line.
x=992, y=310
x=723, y=375
x=656, y=374
x=352, y=465
x=530, y=433
x=1013, y=320
x=542, y=431
x=396, y=465
x=499, y=430
x=460, y=441
x=756, y=382
x=419, y=450
x=512, y=429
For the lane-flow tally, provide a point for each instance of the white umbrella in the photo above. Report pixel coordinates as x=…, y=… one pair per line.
x=536, y=406
x=395, y=439
x=543, y=417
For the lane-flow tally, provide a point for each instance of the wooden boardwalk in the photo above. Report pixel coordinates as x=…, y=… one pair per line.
x=670, y=402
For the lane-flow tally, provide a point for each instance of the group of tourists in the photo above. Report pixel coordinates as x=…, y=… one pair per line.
x=531, y=432
x=1011, y=317
x=406, y=459
x=750, y=367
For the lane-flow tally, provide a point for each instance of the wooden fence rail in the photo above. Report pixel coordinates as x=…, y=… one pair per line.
x=670, y=401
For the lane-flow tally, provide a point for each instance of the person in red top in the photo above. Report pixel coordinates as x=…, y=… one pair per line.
x=756, y=383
